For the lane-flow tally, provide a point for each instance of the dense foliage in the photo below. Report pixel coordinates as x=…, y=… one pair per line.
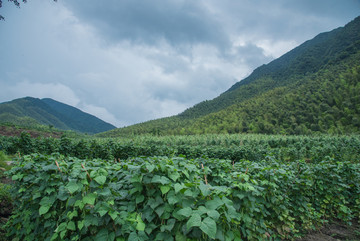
x=5, y=197
x=314, y=88
x=232, y=147
x=160, y=198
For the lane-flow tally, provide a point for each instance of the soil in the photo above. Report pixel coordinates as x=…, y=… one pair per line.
x=335, y=231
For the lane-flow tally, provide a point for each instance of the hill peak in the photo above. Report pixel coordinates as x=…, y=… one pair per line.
x=30, y=111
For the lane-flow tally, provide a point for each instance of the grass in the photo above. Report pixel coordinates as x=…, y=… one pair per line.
x=5, y=197
x=3, y=161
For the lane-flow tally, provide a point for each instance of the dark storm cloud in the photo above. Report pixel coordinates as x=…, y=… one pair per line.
x=177, y=22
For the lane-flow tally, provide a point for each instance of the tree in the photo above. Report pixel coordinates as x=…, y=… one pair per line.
x=17, y=4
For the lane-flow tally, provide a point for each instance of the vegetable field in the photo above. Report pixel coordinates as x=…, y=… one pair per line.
x=231, y=187
x=231, y=147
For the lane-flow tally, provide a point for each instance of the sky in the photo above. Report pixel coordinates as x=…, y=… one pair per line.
x=130, y=61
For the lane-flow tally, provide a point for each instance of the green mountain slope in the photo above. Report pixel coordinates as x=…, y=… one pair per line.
x=30, y=111
x=312, y=88
x=303, y=60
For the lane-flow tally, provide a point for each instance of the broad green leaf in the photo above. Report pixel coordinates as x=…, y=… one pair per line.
x=90, y=220
x=72, y=214
x=208, y=226
x=163, y=236
x=23, y=189
x=61, y=227
x=180, y=237
x=160, y=179
x=205, y=189
x=49, y=190
x=160, y=210
x=153, y=203
x=89, y=199
x=36, y=195
x=237, y=235
x=44, y=209
x=201, y=210
x=174, y=176
x=47, y=201
x=137, y=188
x=17, y=177
x=185, y=212
x=140, y=226
x=186, y=173
x=100, y=179
x=213, y=214
x=178, y=187
x=136, y=178
x=150, y=227
x=103, y=172
x=80, y=224
x=227, y=201
x=113, y=214
x=172, y=198
x=102, y=235
x=133, y=237
x=105, y=192
x=71, y=226
x=156, y=179
x=80, y=204
x=72, y=186
x=140, y=199
x=164, y=189
x=63, y=194
x=229, y=235
x=54, y=237
x=102, y=210
x=189, y=193
x=214, y=204
x=169, y=226
x=194, y=221
x=112, y=236
x=149, y=167
x=62, y=234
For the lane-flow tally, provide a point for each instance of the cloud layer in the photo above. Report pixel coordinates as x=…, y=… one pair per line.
x=133, y=60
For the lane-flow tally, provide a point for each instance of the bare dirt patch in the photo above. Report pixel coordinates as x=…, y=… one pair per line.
x=335, y=231
x=15, y=131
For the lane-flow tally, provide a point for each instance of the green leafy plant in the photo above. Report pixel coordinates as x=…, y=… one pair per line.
x=162, y=198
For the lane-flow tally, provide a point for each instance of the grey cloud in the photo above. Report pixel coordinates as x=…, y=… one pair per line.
x=130, y=61
x=249, y=53
x=179, y=22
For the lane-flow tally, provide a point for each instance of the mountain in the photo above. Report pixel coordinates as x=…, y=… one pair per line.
x=31, y=111
x=314, y=88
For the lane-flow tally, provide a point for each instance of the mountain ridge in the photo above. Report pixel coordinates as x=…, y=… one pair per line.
x=279, y=67
x=313, y=72
x=29, y=111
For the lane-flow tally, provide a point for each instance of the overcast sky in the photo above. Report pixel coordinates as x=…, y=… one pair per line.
x=129, y=61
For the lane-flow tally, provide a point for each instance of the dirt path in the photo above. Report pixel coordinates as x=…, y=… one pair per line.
x=334, y=232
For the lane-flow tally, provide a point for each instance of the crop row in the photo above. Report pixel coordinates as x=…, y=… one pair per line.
x=162, y=198
x=232, y=147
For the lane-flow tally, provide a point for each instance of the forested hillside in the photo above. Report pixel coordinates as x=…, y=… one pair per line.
x=314, y=88
x=32, y=112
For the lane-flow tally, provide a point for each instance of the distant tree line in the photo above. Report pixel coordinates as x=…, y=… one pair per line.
x=17, y=3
